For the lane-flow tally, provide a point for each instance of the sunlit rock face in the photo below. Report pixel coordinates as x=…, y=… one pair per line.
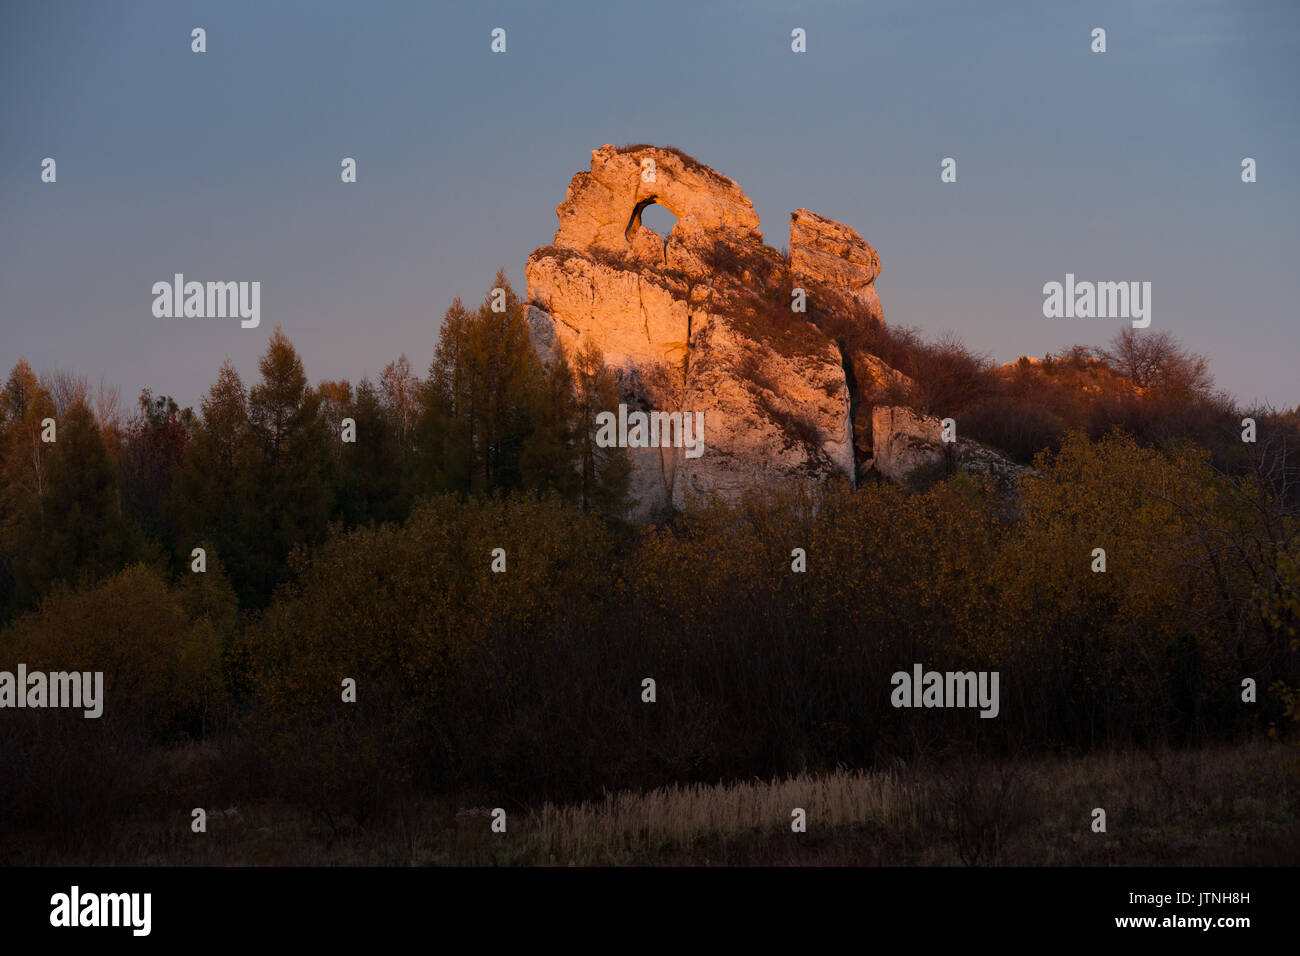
x=827, y=254
x=701, y=320
x=603, y=205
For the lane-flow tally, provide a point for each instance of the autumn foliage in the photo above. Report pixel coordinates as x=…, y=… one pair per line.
x=373, y=562
x=529, y=681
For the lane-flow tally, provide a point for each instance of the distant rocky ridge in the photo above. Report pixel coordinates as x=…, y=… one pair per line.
x=701, y=320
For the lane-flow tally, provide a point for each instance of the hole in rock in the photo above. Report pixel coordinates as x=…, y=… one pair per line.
x=650, y=213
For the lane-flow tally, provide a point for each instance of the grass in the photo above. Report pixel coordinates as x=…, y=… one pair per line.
x=1221, y=805
x=1224, y=806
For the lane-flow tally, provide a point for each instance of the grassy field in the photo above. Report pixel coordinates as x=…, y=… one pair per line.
x=1214, y=806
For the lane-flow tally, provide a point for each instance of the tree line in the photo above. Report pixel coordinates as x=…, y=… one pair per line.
x=370, y=560
x=261, y=468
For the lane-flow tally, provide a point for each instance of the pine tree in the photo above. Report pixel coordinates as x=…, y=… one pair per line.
x=550, y=456
x=605, y=471
x=24, y=405
x=370, y=478
x=293, y=494
x=154, y=447
x=211, y=497
x=77, y=533
x=478, y=396
x=24, y=463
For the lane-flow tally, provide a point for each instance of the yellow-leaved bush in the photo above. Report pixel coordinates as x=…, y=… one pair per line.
x=162, y=670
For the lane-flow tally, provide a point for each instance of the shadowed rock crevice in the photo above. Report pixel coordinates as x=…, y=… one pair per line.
x=860, y=461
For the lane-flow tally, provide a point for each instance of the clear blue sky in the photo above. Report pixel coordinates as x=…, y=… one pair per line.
x=225, y=165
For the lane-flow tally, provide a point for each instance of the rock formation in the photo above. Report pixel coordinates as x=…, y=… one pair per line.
x=909, y=450
x=831, y=256
x=698, y=320
x=702, y=320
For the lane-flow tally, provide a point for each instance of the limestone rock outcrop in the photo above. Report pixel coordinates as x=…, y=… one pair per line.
x=909, y=450
x=701, y=320
x=602, y=209
x=830, y=255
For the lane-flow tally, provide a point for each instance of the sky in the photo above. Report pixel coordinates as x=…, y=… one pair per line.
x=225, y=165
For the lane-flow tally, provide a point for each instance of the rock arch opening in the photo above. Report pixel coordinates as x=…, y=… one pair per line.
x=653, y=214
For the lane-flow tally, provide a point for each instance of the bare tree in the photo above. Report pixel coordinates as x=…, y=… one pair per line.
x=1156, y=361
x=401, y=394
x=66, y=388
x=108, y=408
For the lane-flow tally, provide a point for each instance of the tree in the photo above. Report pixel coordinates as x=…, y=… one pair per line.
x=161, y=670
x=477, y=398
x=550, y=455
x=278, y=404
x=335, y=402
x=369, y=484
x=65, y=388
x=77, y=532
x=212, y=496
x=24, y=405
x=443, y=452
x=496, y=418
x=154, y=447
x=401, y=395
x=605, y=472
x=24, y=463
x=1156, y=361
x=293, y=491
x=257, y=478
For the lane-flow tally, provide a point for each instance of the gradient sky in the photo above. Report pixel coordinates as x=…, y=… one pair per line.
x=225, y=165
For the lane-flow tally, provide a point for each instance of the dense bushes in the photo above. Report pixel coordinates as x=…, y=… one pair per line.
x=528, y=684
x=162, y=669
x=410, y=614
x=160, y=651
